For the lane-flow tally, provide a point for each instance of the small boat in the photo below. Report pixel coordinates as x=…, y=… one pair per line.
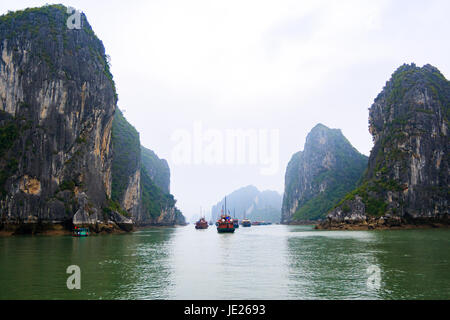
x=80, y=232
x=236, y=223
x=246, y=223
x=225, y=224
x=201, y=224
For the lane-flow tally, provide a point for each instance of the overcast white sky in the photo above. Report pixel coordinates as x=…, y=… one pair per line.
x=283, y=65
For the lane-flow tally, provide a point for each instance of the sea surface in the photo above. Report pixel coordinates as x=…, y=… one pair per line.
x=262, y=262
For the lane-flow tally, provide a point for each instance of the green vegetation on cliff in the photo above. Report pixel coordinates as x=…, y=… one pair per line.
x=9, y=133
x=156, y=168
x=318, y=177
x=130, y=159
x=126, y=159
x=407, y=173
x=58, y=93
x=154, y=200
x=338, y=182
x=46, y=29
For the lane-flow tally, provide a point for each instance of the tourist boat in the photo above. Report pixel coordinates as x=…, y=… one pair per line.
x=246, y=223
x=235, y=220
x=225, y=223
x=256, y=223
x=201, y=224
x=80, y=232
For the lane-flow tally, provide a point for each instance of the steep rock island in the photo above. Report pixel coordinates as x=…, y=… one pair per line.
x=140, y=179
x=406, y=182
x=57, y=107
x=320, y=175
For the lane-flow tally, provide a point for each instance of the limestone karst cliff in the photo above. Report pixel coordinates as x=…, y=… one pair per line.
x=140, y=180
x=320, y=175
x=157, y=168
x=57, y=107
x=57, y=102
x=407, y=180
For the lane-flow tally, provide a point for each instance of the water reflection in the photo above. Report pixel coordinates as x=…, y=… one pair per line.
x=249, y=264
x=112, y=267
x=330, y=265
x=415, y=264
x=152, y=270
x=266, y=262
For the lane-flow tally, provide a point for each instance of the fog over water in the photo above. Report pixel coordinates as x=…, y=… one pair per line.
x=195, y=77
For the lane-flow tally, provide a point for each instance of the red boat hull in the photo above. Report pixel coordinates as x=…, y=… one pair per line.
x=201, y=224
x=225, y=225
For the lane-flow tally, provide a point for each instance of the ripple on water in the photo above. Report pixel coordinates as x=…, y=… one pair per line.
x=265, y=262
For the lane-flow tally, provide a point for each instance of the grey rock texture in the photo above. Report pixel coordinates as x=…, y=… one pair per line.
x=57, y=91
x=318, y=177
x=67, y=154
x=157, y=168
x=408, y=171
x=140, y=180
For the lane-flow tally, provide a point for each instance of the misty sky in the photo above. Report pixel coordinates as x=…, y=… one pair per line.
x=270, y=66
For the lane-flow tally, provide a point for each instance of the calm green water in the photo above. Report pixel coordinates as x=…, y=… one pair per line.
x=265, y=262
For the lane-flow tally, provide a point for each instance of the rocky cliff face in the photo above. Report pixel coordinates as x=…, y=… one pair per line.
x=67, y=155
x=158, y=205
x=318, y=177
x=140, y=180
x=407, y=176
x=126, y=166
x=57, y=101
x=157, y=168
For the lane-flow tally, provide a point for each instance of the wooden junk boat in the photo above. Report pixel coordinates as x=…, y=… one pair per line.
x=225, y=224
x=201, y=224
